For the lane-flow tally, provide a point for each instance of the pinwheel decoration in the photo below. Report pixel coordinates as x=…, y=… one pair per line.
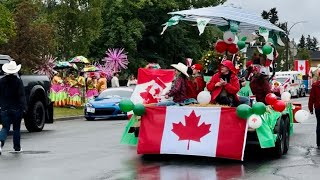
x=46, y=68
x=116, y=59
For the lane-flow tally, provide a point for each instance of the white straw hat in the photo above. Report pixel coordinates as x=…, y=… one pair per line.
x=182, y=68
x=11, y=67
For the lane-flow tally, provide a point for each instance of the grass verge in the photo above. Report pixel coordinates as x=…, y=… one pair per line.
x=60, y=112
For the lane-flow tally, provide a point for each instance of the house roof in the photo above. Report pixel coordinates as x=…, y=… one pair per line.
x=315, y=55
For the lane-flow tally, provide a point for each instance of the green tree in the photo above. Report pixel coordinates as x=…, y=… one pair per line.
x=303, y=54
x=315, y=44
x=77, y=23
x=34, y=37
x=6, y=24
x=302, y=42
x=136, y=26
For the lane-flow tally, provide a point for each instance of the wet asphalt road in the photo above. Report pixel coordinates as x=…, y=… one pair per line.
x=82, y=150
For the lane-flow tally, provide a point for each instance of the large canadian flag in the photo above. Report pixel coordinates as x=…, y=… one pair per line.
x=302, y=66
x=152, y=85
x=200, y=131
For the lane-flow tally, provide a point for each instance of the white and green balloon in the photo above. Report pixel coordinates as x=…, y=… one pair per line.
x=254, y=121
x=204, y=97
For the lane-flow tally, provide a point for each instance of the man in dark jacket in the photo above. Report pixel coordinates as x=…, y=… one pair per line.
x=314, y=104
x=13, y=104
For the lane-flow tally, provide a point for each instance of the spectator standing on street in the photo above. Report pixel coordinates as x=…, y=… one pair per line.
x=115, y=80
x=314, y=104
x=13, y=104
x=132, y=81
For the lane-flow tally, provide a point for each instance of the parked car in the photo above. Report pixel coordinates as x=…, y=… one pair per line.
x=106, y=105
x=37, y=89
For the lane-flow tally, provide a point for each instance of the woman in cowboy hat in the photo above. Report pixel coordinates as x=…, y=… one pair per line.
x=13, y=104
x=179, y=89
x=224, y=85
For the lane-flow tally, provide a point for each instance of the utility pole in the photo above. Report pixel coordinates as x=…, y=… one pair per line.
x=288, y=41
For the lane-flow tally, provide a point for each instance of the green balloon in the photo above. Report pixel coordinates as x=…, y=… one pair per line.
x=244, y=111
x=259, y=108
x=266, y=49
x=139, y=109
x=241, y=44
x=126, y=105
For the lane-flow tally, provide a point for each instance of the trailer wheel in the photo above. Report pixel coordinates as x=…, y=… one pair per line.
x=280, y=143
x=287, y=135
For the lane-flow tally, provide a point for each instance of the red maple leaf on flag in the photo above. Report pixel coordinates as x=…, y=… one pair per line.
x=147, y=96
x=191, y=131
x=301, y=68
x=157, y=91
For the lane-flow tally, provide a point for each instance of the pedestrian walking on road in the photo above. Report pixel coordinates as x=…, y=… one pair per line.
x=314, y=104
x=13, y=104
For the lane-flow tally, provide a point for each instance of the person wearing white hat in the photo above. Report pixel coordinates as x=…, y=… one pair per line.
x=13, y=104
x=179, y=89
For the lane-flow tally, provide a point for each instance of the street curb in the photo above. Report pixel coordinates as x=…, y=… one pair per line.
x=68, y=118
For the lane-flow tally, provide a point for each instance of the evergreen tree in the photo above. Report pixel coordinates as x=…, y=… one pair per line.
x=302, y=42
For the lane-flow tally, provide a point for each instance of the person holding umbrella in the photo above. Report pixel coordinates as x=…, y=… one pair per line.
x=91, y=87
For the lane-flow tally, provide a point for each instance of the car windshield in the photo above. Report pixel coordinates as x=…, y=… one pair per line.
x=115, y=93
x=282, y=80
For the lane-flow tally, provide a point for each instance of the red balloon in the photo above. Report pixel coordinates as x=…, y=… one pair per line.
x=221, y=46
x=279, y=106
x=271, y=98
x=232, y=48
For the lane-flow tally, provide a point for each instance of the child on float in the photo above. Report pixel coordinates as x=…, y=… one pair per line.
x=200, y=84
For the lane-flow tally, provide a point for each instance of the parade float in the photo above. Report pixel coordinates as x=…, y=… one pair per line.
x=204, y=129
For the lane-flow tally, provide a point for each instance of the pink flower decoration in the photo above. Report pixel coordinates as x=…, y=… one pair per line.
x=105, y=69
x=116, y=59
x=47, y=67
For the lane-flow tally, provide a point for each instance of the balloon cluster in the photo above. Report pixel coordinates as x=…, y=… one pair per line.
x=278, y=105
x=229, y=43
x=127, y=105
x=253, y=115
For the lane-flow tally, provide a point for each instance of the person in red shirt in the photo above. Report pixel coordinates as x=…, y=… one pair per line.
x=260, y=86
x=200, y=84
x=314, y=104
x=224, y=85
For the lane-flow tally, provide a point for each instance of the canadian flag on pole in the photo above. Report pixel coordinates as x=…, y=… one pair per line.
x=152, y=83
x=197, y=131
x=302, y=66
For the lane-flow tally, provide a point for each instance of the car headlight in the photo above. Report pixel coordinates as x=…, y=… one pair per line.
x=88, y=105
x=116, y=104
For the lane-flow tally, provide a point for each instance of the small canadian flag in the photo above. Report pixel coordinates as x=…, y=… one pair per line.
x=302, y=66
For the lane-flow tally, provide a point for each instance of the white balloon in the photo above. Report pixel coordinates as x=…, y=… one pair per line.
x=204, y=97
x=286, y=96
x=254, y=121
x=301, y=116
x=229, y=37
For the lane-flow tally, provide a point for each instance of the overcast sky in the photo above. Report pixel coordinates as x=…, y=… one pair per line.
x=291, y=11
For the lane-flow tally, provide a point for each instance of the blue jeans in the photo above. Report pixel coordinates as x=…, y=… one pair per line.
x=244, y=100
x=9, y=117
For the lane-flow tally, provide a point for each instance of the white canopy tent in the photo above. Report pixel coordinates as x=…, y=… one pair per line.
x=220, y=15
